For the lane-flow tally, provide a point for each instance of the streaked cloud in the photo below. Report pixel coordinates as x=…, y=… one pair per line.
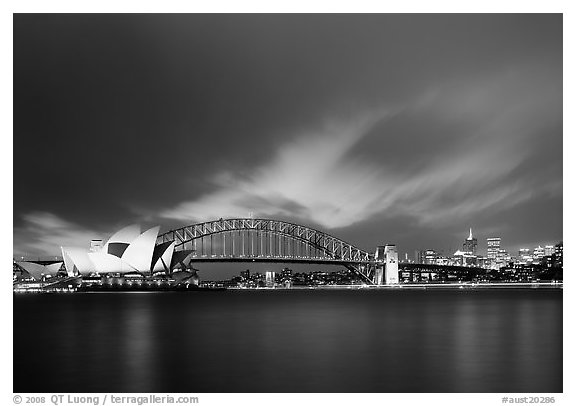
x=299, y=180
x=316, y=177
x=43, y=233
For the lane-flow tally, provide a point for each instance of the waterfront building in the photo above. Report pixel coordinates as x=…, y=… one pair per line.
x=270, y=279
x=127, y=251
x=430, y=257
x=463, y=258
x=286, y=276
x=245, y=274
x=442, y=260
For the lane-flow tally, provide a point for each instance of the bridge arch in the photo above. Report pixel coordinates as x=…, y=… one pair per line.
x=331, y=246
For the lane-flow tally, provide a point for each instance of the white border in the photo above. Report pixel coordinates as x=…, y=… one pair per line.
x=357, y=6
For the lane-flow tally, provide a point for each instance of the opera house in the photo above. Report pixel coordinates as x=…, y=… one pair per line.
x=127, y=251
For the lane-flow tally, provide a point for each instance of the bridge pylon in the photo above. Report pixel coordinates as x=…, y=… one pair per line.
x=386, y=268
x=391, y=254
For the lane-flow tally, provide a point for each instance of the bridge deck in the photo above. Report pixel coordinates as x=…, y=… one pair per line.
x=292, y=260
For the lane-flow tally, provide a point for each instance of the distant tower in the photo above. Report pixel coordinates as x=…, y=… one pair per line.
x=470, y=244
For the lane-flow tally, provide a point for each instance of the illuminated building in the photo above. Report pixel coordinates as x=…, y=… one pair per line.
x=463, y=258
x=270, y=279
x=559, y=253
x=430, y=257
x=470, y=244
x=524, y=256
x=127, y=251
x=496, y=256
x=493, y=249
x=538, y=253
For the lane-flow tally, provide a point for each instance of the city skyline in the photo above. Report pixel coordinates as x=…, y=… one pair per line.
x=356, y=125
x=483, y=249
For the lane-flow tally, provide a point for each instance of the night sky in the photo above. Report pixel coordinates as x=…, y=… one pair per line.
x=378, y=128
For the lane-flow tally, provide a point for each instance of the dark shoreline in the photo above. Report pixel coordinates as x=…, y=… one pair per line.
x=428, y=286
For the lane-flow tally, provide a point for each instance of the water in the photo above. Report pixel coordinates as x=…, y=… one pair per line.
x=485, y=340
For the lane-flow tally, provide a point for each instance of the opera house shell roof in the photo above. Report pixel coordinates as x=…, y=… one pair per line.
x=128, y=250
x=37, y=271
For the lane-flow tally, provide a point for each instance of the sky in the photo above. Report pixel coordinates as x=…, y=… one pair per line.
x=376, y=128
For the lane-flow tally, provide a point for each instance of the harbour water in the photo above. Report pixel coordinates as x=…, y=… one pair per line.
x=453, y=340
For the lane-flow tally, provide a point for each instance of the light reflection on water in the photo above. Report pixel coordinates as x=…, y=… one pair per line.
x=290, y=341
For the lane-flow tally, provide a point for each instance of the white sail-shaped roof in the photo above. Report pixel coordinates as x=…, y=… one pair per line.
x=37, y=270
x=54, y=268
x=77, y=260
x=106, y=263
x=139, y=252
x=163, y=263
x=126, y=235
x=68, y=263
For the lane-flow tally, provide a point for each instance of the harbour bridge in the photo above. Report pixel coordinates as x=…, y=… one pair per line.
x=266, y=240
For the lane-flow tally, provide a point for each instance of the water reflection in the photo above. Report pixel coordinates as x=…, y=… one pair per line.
x=291, y=341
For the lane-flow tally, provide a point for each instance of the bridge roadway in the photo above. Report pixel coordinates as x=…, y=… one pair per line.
x=272, y=259
x=330, y=261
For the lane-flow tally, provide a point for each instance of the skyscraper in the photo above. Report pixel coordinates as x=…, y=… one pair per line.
x=470, y=244
x=493, y=247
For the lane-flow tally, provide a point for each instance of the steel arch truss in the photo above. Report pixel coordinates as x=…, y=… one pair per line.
x=330, y=246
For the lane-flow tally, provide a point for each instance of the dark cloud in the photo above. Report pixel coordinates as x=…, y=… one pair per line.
x=419, y=124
